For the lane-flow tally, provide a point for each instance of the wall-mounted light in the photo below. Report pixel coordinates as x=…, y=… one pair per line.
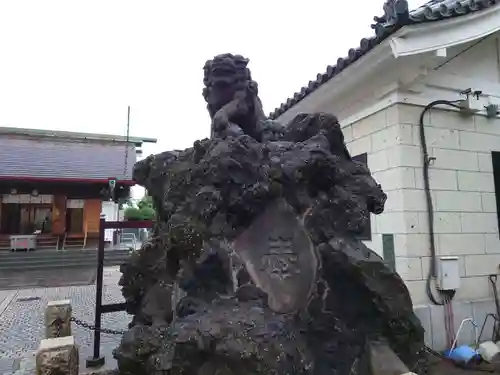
x=34, y=193
x=13, y=191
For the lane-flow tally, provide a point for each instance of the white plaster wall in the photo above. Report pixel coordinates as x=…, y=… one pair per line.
x=377, y=135
x=462, y=185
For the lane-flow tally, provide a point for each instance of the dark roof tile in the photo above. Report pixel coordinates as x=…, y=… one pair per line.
x=396, y=15
x=59, y=159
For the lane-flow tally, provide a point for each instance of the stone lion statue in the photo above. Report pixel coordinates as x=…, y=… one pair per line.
x=232, y=97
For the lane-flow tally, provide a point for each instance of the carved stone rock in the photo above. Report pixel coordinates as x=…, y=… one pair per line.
x=57, y=356
x=57, y=319
x=260, y=229
x=279, y=257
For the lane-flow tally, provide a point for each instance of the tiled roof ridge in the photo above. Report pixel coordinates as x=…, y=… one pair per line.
x=396, y=15
x=52, y=139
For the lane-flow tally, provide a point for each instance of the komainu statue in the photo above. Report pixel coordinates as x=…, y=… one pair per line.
x=255, y=265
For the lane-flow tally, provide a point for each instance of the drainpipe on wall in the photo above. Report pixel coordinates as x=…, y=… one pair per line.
x=427, y=160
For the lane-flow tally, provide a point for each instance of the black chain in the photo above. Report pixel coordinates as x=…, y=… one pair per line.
x=57, y=324
x=91, y=327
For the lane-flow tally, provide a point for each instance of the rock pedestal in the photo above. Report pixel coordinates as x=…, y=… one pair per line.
x=57, y=356
x=260, y=227
x=58, y=319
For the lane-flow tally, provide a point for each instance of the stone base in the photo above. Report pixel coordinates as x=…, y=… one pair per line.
x=57, y=356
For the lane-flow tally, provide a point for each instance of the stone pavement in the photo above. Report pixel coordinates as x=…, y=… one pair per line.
x=22, y=321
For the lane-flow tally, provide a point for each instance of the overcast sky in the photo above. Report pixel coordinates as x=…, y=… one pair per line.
x=76, y=65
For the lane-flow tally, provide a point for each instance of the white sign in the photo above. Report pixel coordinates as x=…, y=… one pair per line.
x=75, y=203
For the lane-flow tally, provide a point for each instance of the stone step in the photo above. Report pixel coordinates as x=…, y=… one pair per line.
x=49, y=266
x=59, y=253
x=34, y=260
x=48, y=260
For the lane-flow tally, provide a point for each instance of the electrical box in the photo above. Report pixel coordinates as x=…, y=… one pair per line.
x=470, y=105
x=448, y=273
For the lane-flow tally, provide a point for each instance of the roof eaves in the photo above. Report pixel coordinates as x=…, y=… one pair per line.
x=396, y=15
x=42, y=133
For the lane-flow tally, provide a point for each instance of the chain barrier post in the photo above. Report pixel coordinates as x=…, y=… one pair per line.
x=57, y=355
x=58, y=319
x=97, y=360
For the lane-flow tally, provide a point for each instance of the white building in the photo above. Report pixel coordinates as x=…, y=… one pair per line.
x=378, y=93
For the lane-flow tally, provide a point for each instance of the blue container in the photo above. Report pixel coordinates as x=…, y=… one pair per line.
x=463, y=354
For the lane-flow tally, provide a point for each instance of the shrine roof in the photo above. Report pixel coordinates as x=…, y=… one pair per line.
x=385, y=26
x=40, y=157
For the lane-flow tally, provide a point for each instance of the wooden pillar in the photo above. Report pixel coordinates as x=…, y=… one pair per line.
x=59, y=215
x=92, y=214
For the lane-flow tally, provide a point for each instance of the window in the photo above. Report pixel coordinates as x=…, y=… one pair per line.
x=367, y=230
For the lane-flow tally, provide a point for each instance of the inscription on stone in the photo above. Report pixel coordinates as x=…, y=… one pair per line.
x=280, y=259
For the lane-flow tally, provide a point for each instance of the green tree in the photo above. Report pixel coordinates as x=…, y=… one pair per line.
x=143, y=210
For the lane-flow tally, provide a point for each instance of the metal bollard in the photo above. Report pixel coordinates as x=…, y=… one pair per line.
x=58, y=319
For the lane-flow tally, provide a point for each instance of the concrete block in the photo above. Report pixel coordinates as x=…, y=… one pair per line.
x=488, y=202
x=414, y=200
x=492, y=243
x=394, y=201
x=480, y=309
x=485, y=264
x=441, y=118
x=473, y=288
x=437, y=137
x=457, y=201
x=347, y=131
x=409, y=268
x=57, y=319
x=454, y=159
x=439, y=179
x=476, y=181
x=405, y=156
x=485, y=162
x=369, y=125
x=383, y=360
x=410, y=114
x=411, y=245
x=461, y=310
x=378, y=161
x=396, y=178
x=392, y=115
x=398, y=222
x=439, y=341
x=417, y=292
x=57, y=356
x=461, y=244
x=391, y=136
x=484, y=222
x=472, y=141
x=487, y=125
x=424, y=314
x=360, y=145
x=444, y=222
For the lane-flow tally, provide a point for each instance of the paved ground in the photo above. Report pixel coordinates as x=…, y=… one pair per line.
x=22, y=315
x=70, y=276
